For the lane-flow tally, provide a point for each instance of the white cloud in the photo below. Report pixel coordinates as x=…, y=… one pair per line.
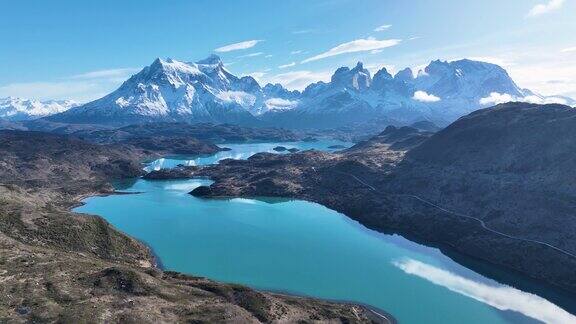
x=269, y=56
x=382, y=28
x=545, y=100
x=240, y=97
x=425, y=97
x=252, y=55
x=496, y=98
x=569, y=50
x=280, y=104
x=296, y=52
x=111, y=73
x=298, y=80
x=287, y=65
x=504, y=298
x=544, y=8
x=303, y=31
x=359, y=45
x=238, y=46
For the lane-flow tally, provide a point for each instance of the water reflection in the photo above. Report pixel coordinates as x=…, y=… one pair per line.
x=502, y=297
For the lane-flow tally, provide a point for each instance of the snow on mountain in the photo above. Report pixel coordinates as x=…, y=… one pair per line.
x=204, y=91
x=441, y=92
x=17, y=109
x=172, y=90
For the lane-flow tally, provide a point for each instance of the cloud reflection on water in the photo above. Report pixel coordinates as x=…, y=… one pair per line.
x=503, y=298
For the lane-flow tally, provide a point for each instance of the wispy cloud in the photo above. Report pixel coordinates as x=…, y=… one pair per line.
x=296, y=52
x=382, y=28
x=503, y=298
x=544, y=8
x=111, y=73
x=569, y=50
x=238, y=46
x=302, y=31
x=252, y=54
x=425, y=97
x=287, y=65
x=359, y=45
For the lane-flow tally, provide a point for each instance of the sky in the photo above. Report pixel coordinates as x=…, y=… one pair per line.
x=82, y=50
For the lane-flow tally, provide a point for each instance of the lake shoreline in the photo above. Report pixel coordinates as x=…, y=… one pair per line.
x=507, y=276
x=447, y=250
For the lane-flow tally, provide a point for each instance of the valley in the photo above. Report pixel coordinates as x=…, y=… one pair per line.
x=58, y=266
x=288, y=162
x=290, y=245
x=508, y=214
x=460, y=218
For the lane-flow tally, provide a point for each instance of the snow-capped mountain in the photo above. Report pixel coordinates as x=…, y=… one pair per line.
x=17, y=109
x=171, y=90
x=441, y=92
x=204, y=91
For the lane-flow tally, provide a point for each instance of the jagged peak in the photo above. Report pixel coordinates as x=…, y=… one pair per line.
x=436, y=66
x=383, y=74
x=170, y=66
x=404, y=75
x=344, y=71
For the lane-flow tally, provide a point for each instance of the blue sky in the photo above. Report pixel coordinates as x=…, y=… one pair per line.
x=83, y=49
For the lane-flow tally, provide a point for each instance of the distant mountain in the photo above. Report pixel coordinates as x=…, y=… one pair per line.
x=17, y=109
x=170, y=90
x=441, y=93
x=204, y=91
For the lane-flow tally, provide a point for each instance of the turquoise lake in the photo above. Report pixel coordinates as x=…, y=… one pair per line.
x=307, y=249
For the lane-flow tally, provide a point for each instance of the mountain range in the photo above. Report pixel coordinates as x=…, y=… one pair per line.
x=16, y=109
x=205, y=91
